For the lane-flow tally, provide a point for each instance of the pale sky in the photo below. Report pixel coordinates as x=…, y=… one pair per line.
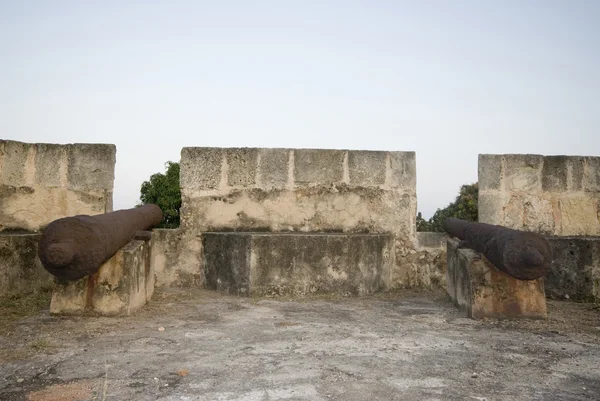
x=447, y=79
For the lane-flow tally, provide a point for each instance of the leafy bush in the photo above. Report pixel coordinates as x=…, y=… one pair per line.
x=163, y=190
x=464, y=207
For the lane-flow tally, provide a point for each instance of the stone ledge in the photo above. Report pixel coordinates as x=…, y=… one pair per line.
x=121, y=286
x=482, y=291
x=252, y=263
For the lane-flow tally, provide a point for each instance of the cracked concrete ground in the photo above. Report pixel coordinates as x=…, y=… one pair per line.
x=199, y=345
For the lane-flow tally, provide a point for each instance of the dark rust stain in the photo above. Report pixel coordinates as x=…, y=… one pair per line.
x=89, y=293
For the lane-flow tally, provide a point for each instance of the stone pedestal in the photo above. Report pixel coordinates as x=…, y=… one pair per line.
x=121, y=286
x=481, y=290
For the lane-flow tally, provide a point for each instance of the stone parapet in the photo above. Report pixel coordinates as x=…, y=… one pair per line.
x=550, y=195
x=40, y=183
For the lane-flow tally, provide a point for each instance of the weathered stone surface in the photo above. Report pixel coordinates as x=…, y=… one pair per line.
x=490, y=207
x=575, y=270
x=522, y=172
x=310, y=209
x=242, y=166
x=404, y=170
x=51, y=166
x=551, y=195
x=424, y=266
x=13, y=163
x=578, y=216
x=274, y=168
x=295, y=263
x=591, y=174
x=433, y=240
x=91, y=166
x=20, y=269
x=200, y=168
x=576, y=168
x=120, y=287
x=481, y=290
x=489, y=172
x=176, y=258
x=323, y=197
x=35, y=187
x=367, y=168
x=554, y=173
x=538, y=215
x=318, y=166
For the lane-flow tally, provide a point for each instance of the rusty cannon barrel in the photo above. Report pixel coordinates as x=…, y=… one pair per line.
x=521, y=254
x=74, y=247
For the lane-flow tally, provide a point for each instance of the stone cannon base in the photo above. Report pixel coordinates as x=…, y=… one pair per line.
x=267, y=263
x=121, y=286
x=481, y=290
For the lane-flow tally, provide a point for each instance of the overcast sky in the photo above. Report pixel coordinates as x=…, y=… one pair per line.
x=447, y=79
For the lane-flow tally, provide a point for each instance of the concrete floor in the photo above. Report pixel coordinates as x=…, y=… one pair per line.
x=409, y=346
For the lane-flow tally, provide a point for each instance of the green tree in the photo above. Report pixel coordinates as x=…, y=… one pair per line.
x=464, y=207
x=163, y=190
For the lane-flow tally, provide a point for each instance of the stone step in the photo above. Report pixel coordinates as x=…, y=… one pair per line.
x=270, y=263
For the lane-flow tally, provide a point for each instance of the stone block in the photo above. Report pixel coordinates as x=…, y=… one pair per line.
x=576, y=164
x=591, y=174
x=575, y=269
x=514, y=211
x=200, y=168
x=490, y=207
x=274, y=168
x=555, y=173
x=404, y=170
x=21, y=271
x=523, y=173
x=245, y=263
x=538, y=215
x=489, y=172
x=51, y=165
x=227, y=262
x=13, y=163
x=91, y=166
x=367, y=168
x=579, y=216
x=431, y=239
x=242, y=166
x=121, y=286
x=318, y=166
x=482, y=291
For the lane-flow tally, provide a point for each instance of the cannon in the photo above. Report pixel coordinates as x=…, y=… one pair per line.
x=523, y=255
x=74, y=247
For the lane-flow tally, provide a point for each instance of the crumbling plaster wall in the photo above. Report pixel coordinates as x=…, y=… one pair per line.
x=305, y=190
x=551, y=195
x=41, y=182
